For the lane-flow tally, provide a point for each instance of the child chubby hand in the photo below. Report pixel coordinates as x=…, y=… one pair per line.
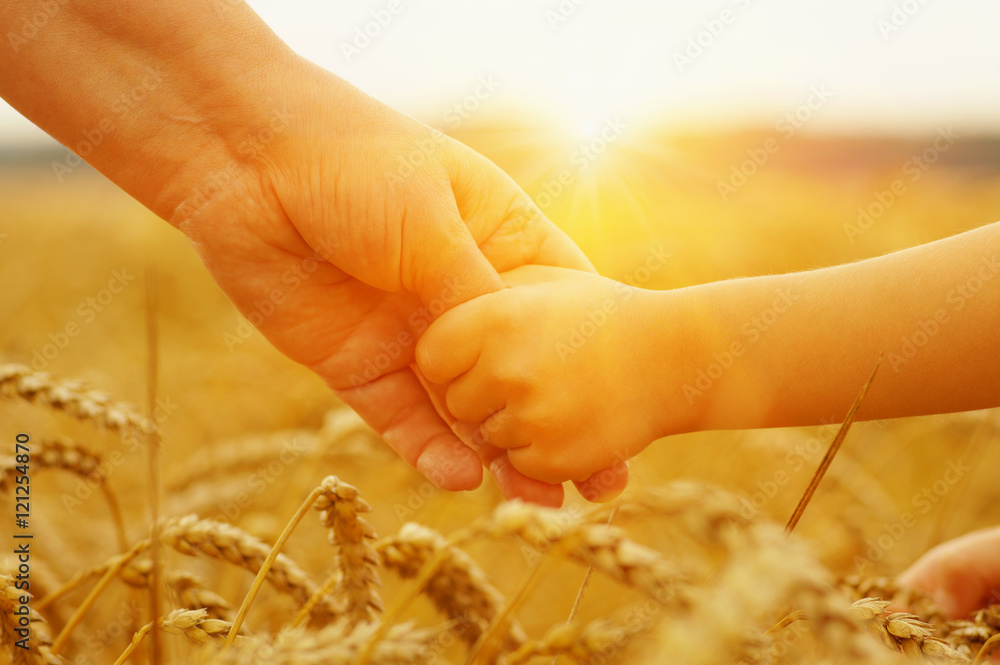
x=553, y=369
x=573, y=373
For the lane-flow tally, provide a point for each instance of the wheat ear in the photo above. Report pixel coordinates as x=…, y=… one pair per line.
x=189, y=591
x=601, y=546
x=903, y=632
x=195, y=625
x=970, y=636
x=69, y=456
x=581, y=641
x=343, y=435
x=37, y=637
x=217, y=540
x=72, y=397
x=604, y=547
x=353, y=538
x=882, y=587
x=459, y=588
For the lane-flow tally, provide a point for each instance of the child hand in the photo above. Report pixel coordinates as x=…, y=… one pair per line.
x=961, y=575
x=551, y=369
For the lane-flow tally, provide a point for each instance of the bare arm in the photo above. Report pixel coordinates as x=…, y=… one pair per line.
x=290, y=183
x=795, y=349
x=153, y=94
x=572, y=373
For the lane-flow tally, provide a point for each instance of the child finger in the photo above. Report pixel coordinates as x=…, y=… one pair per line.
x=474, y=397
x=604, y=485
x=452, y=344
x=539, y=464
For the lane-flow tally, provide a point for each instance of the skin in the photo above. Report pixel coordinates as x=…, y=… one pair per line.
x=961, y=575
x=571, y=372
x=339, y=226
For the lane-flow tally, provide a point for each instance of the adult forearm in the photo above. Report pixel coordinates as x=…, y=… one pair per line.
x=156, y=95
x=795, y=349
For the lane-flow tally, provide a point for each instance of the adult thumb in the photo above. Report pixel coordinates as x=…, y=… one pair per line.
x=448, y=268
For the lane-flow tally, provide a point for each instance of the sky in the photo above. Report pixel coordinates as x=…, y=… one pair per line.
x=904, y=67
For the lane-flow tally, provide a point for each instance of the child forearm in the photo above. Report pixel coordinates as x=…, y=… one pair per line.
x=795, y=349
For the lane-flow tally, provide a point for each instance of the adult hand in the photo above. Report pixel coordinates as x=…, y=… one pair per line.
x=348, y=235
x=336, y=224
x=961, y=575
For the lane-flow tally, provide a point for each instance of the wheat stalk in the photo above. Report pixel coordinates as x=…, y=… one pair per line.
x=343, y=435
x=458, y=588
x=265, y=568
x=969, y=636
x=831, y=452
x=187, y=588
x=196, y=625
x=601, y=546
x=217, y=540
x=74, y=398
x=604, y=547
x=69, y=456
x=113, y=567
x=353, y=538
x=581, y=641
x=338, y=643
x=722, y=615
x=192, y=592
x=125, y=566
x=38, y=638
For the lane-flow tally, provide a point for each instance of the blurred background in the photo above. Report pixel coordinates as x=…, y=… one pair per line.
x=741, y=137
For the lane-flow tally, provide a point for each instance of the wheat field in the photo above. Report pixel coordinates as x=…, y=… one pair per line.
x=376, y=565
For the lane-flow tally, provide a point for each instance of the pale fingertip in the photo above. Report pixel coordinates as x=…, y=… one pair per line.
x=453, y=471
x=514, y=485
